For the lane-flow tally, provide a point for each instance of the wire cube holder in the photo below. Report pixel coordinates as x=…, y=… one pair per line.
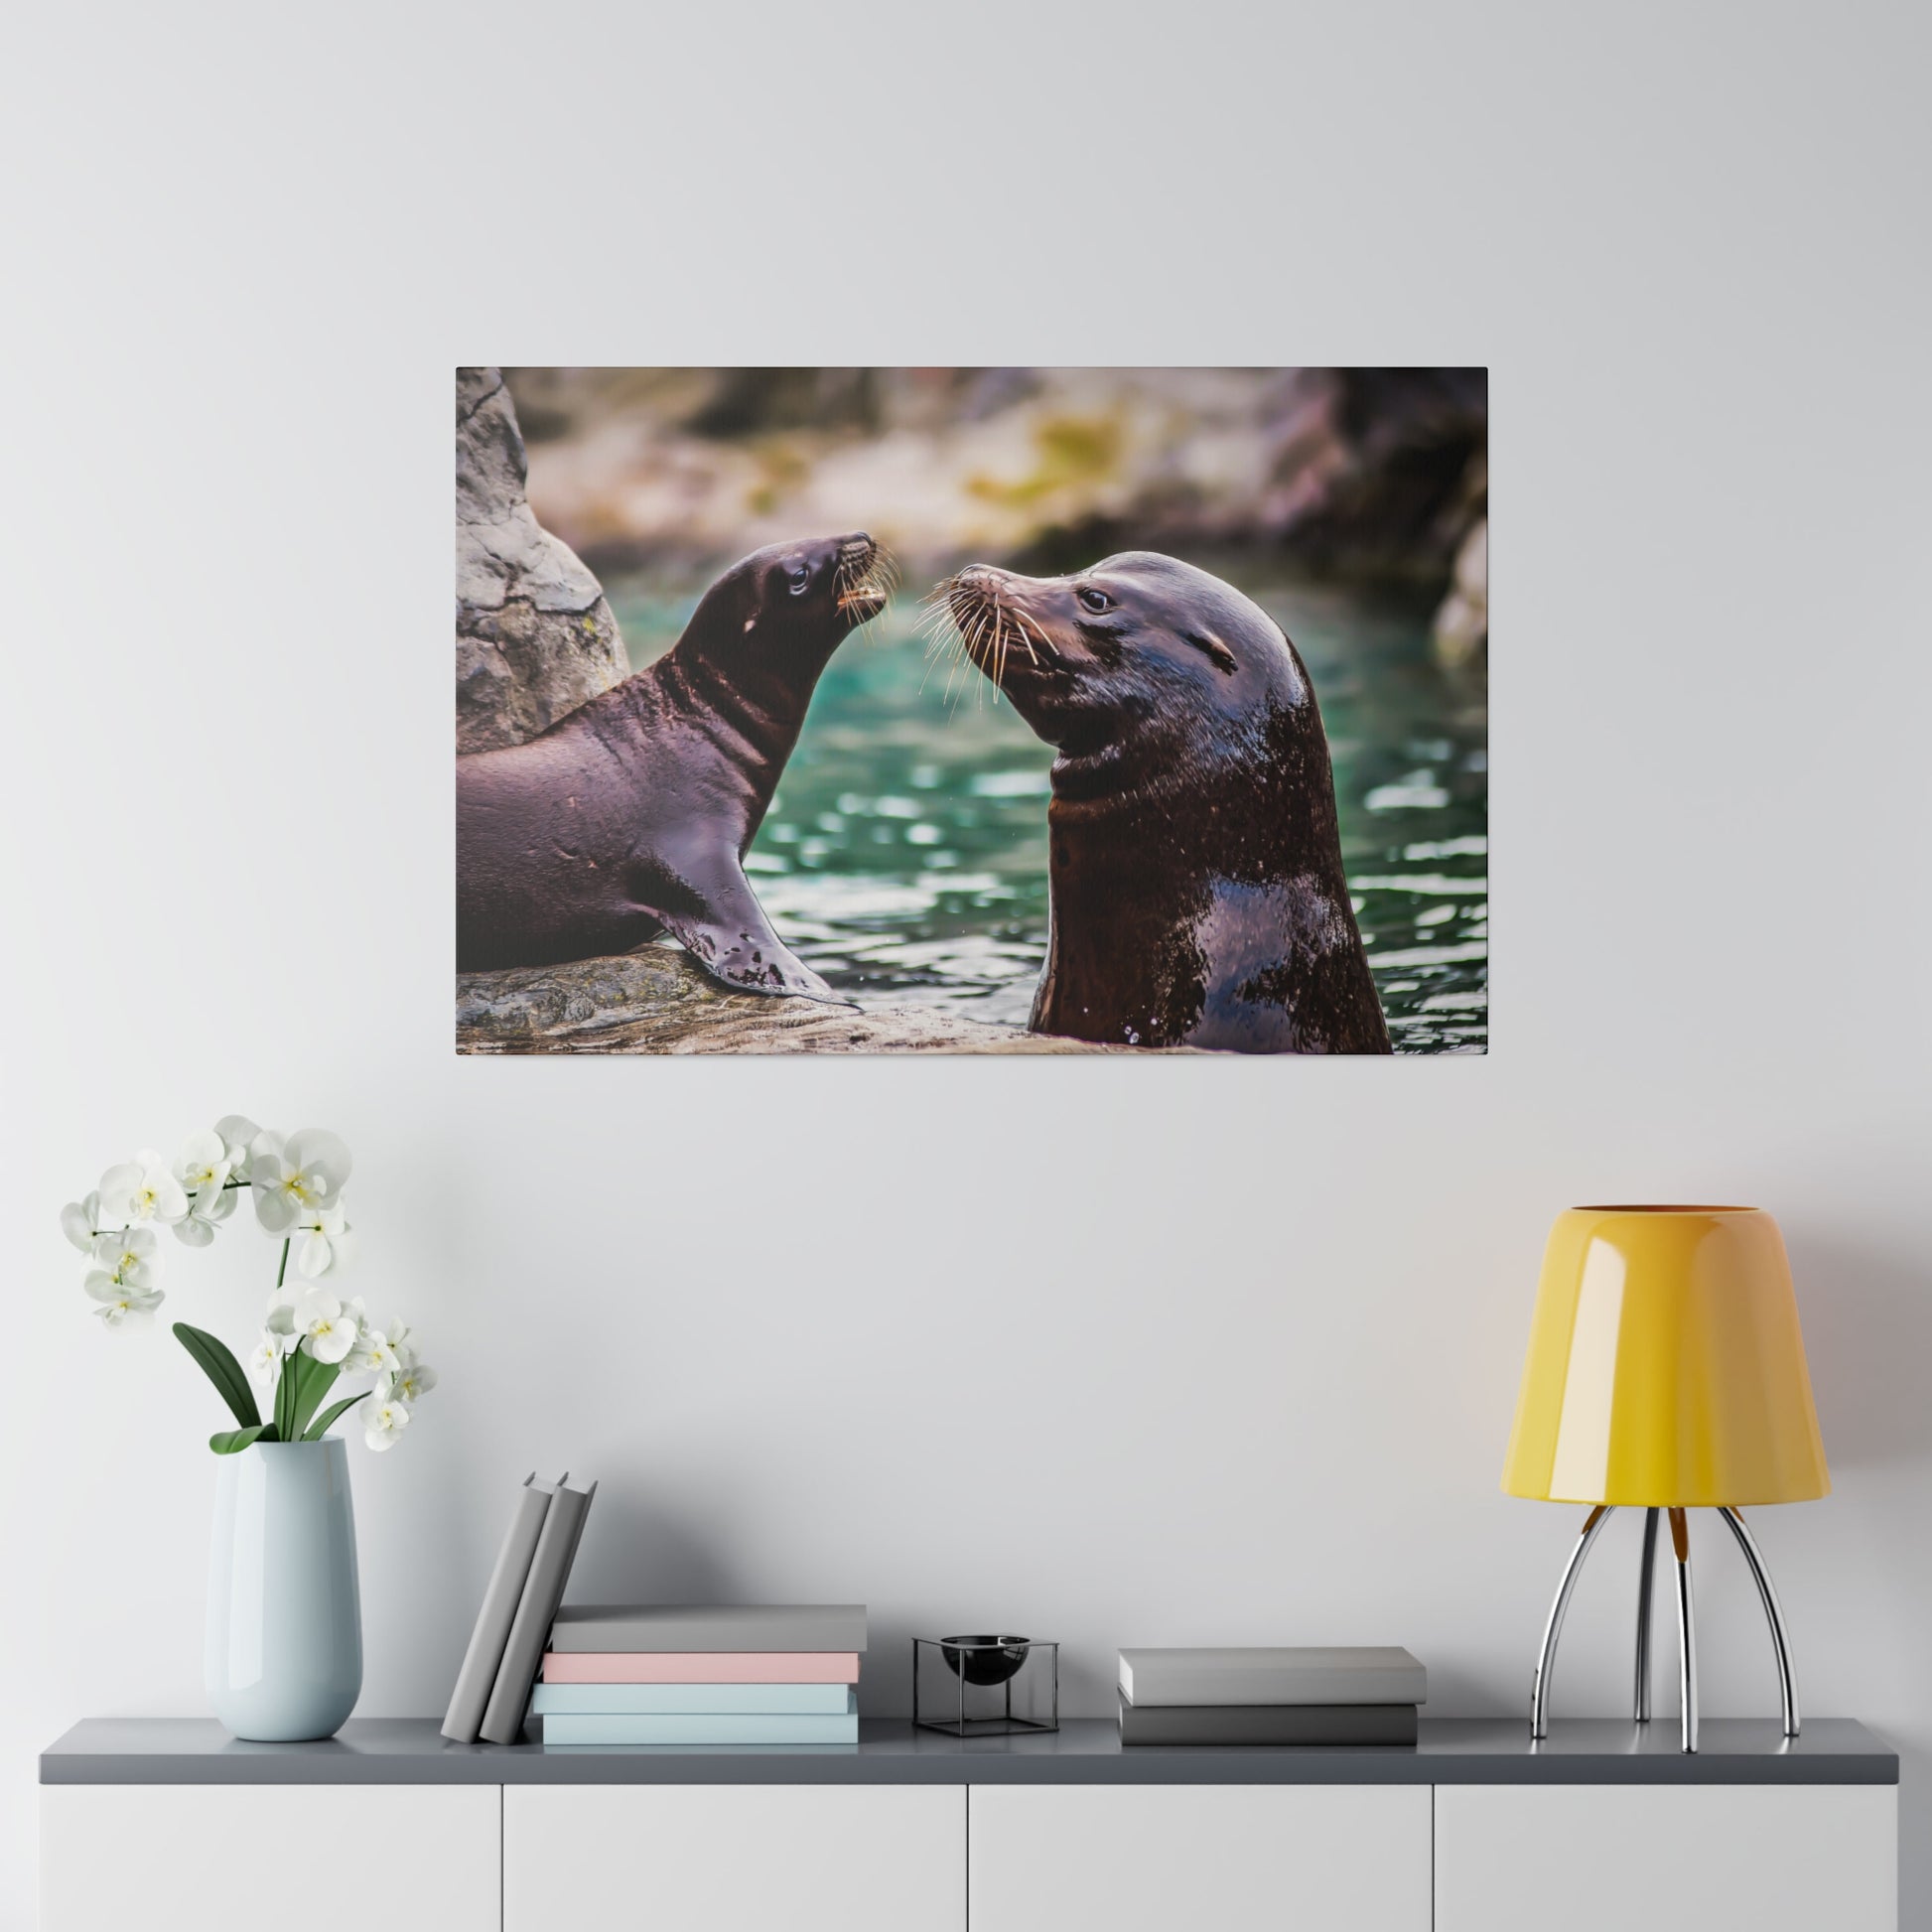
x=986, y=1685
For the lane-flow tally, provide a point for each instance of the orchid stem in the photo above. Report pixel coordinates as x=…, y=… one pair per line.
x=282, y=1272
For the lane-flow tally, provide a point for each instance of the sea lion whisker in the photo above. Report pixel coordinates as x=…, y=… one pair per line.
x=953, y=645
x=937, y=642
x=1038, y=630
x=935, y=618
x=976, y=647
x=953, y=664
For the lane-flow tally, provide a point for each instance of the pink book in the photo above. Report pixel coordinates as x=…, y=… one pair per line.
x=700, y=1667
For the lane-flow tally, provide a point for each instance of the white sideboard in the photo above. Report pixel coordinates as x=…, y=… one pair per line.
x=1161, y=1858
x=1606, y=1857
x=169, y=1826
x=734, y=1858
x=181, y=1858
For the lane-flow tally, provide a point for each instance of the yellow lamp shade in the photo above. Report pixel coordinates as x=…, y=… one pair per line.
x=1666, y=1369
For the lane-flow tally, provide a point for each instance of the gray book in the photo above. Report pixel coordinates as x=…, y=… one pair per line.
x=686, y=1627
x=1267, y=1724
x=543, y=1590
x=478, y=1677
x=1301, y=1674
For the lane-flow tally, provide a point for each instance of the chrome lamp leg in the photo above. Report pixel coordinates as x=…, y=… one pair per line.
x=1773, y=1615
x=1540, y=1685
x=1687, y=1640
x=1646, y=1573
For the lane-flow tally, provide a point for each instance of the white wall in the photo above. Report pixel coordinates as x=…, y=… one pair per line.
x=1232, y=1348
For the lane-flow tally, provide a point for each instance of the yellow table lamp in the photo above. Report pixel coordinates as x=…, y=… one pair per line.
x=1666, y=1371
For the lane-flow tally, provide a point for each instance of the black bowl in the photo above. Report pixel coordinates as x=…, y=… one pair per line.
x=984, y=1660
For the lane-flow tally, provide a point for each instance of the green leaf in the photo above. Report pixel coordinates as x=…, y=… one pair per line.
x=312, y=1381
x=231, y=1441
x=330, y=1415
x=220, y=1368
x=285, y=1395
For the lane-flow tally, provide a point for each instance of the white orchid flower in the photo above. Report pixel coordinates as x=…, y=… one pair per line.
x=141, y=1190
x=237, y=1133
x=303, y=1176
x=121, y=1303
x=80, y=1222
x=265, y=1359
x=280, y=1318
x=400, y=1344
x=131, y=1257
x=210, y=1208
x=371, y=1353
x=326, y=1329
x=323, y=1242
x=202, y=1170
x=202, y=1164
x=383, y=1422
x=410, y=1384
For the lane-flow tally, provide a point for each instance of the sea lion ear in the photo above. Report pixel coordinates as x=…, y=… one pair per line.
x=1212, y=647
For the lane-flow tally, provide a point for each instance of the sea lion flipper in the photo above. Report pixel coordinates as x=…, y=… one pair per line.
x=733, y=940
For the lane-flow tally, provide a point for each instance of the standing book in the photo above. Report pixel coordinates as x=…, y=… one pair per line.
x=501, y=1594
x=543, y=1591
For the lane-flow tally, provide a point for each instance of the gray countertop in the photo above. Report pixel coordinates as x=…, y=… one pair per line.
x=410, y=1751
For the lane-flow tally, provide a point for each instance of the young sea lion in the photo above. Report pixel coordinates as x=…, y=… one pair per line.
x=1196, y=888
x=630, y=818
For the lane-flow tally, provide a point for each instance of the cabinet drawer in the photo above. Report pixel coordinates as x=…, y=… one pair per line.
x=184, y=1857
x=1667, y=1858
x=734, y=1858
x=1195, y=1857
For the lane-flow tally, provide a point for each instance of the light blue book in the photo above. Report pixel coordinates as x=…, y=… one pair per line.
x=702, y=1728
x=695, y=1700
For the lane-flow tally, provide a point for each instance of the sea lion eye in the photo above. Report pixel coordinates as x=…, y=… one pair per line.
x=800, y=577
x=1094, y=600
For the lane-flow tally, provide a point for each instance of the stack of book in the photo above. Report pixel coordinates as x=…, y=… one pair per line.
x=655, y=1674
x=1300, y=1696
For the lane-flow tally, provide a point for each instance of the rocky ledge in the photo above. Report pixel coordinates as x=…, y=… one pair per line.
x=655, y=1001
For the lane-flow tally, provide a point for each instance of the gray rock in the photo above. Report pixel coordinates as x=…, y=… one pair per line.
x=655, y=1001
x=534, y=637
x=1461, y=628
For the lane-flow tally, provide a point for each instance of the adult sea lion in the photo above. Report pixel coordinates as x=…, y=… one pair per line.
x=1196, y=888
x=630, y=818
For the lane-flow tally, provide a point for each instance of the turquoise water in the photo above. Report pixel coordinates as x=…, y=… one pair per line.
x=906, y=854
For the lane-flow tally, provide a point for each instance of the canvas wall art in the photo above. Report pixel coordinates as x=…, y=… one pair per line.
x=972, y=710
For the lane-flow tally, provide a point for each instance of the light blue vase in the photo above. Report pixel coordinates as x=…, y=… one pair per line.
x=283, y=1655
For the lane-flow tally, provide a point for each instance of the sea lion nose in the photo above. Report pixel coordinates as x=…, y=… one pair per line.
x=859, y=544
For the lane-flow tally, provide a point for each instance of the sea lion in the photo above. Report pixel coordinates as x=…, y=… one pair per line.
x=1197, y=894
x=629, y=817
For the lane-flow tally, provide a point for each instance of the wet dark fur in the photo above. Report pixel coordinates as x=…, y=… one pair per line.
x=630, y=818
x=1197, y=890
